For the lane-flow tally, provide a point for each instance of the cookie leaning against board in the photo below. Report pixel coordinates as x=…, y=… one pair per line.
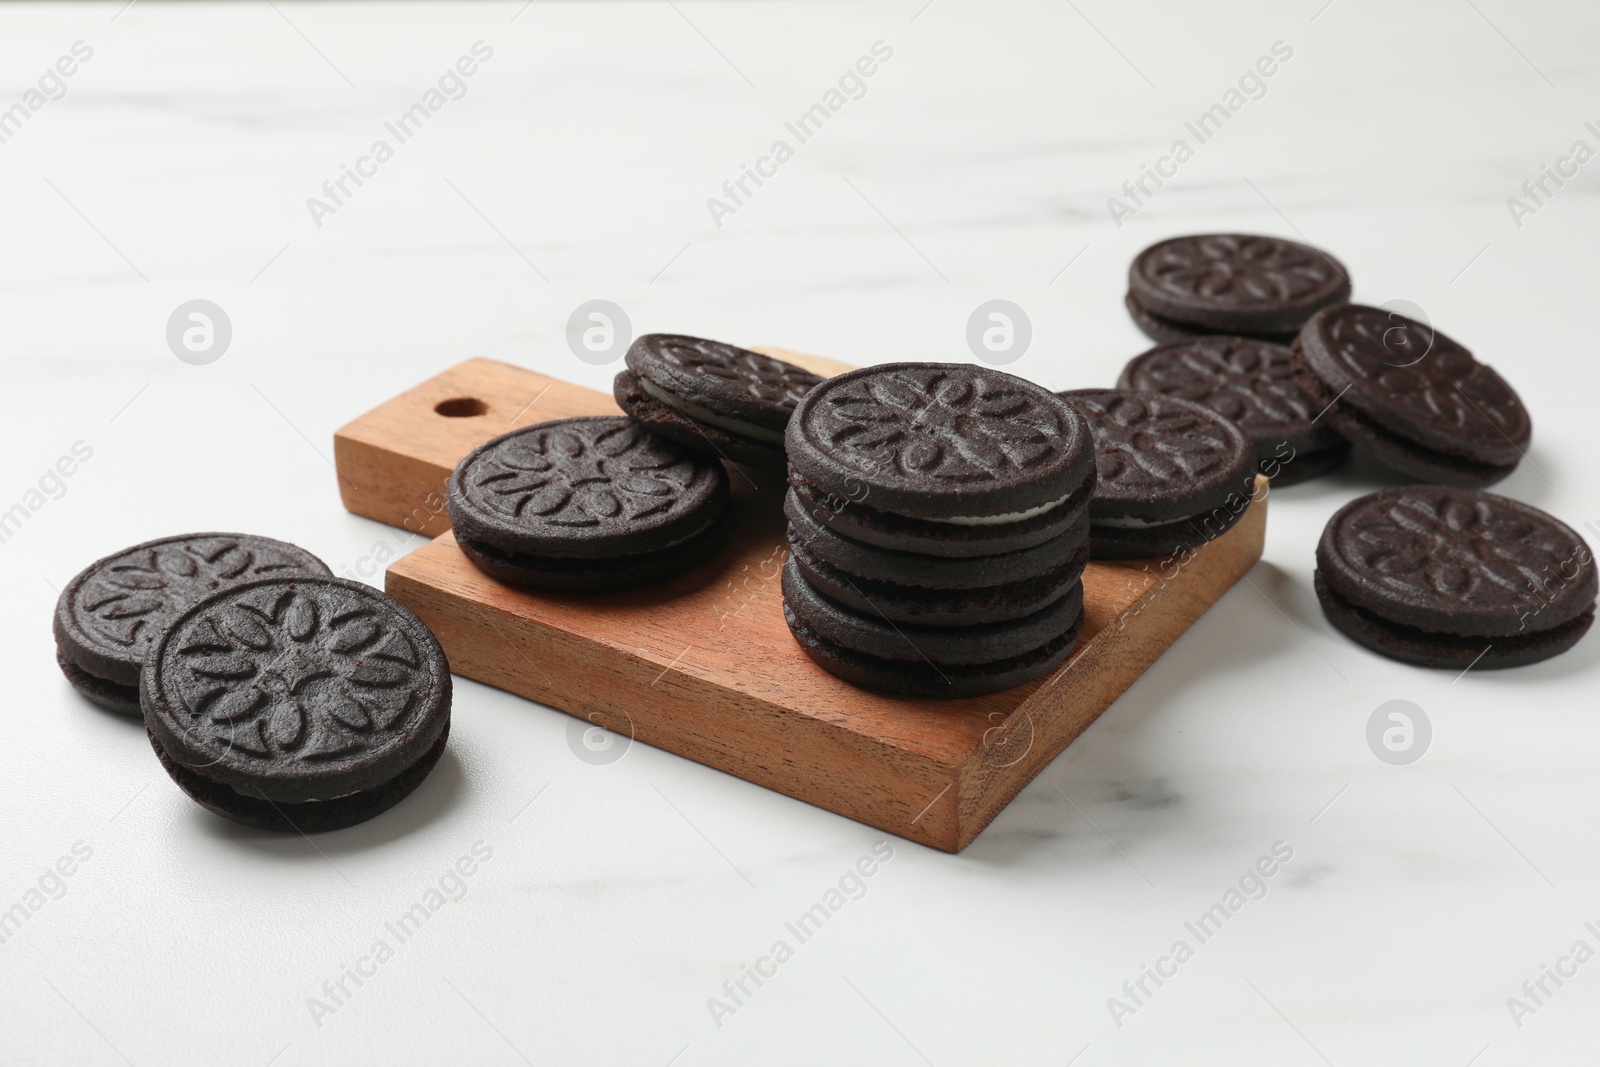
x=1173, y=475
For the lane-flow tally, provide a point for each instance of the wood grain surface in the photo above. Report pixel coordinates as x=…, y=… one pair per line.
x=704, y=665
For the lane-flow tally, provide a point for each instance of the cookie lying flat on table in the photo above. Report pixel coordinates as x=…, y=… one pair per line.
x=712, y=397
x=1255, y=384
x=1172, y=474
x=587, y=504
x=1450, y=577
x=1412, y=396
x=300, y=704
x=936, y=661
x=109, y=614
x=1231, y=283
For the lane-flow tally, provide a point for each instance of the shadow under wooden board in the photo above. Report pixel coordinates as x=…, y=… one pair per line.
x=704, y=665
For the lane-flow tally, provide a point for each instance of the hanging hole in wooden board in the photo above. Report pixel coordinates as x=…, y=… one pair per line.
x=461, y=407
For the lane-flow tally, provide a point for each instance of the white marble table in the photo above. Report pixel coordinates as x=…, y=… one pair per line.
x=612, y=902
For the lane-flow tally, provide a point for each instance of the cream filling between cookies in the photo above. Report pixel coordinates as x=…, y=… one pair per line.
x=1002, y=520
x=706, y=415
x=1134, y=524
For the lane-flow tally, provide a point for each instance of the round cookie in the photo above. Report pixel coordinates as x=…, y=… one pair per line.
x=1159, y=329
x=929, y=662
x=1172, y=473
x=858, y=558
x=922, y=606
x=1426, y=572
x=942, y=459
x=572, y=574
x=112, y=611
x=298, y=704
x=123, y=699
x=1255, y=384
x=1414, y=397
x=1239, y=283
x=712, y=397
x=1410, y=644
x=660, y=417
x=588, y=503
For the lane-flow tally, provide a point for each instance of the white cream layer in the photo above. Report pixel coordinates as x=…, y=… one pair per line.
x=1002, y=520
x=711, y=418
x=1134, y=524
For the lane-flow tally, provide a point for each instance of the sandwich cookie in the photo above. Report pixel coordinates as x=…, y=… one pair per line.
x=1449, y=577
x=1416, y=399
x=1254, y=383
x=937, y=590
x=1163, y=330
x=298, y=704
x=1172, y=474
x=712, y=397
x=587, y=504
x=1231, y=283
x=941, y=459
x=110, y=614
x=929, y=661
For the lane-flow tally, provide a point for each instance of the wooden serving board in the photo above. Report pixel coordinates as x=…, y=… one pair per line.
x=704, y=666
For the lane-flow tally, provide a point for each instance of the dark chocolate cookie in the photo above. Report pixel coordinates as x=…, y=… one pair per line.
x=884, y=529
x=661, y=417
x=1457, y=561
x=123, y=699
x=947, y=459
x=297, y=703
x=1172, y=473
x=871, y=652
x=109, y=614
x=1255, y=384
x=1416, y=398
x=1157, y=328
x=1236, y=282
x=576, y=574
x=924, y=606
x=920, y=570
x=1251, y=382
x=713, y=397
x=591, y=503
x=1411, y=644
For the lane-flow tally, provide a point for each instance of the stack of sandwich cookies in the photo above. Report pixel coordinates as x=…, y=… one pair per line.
x=587, y=504
x=1455, y=578
x=1238, y=284
x=297, y=704
x=1254, y=384
x=712, y=397
x=937, y=527
x=916, y=587
x=1416, y=399
x=1173, y=475
x=110, y=614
